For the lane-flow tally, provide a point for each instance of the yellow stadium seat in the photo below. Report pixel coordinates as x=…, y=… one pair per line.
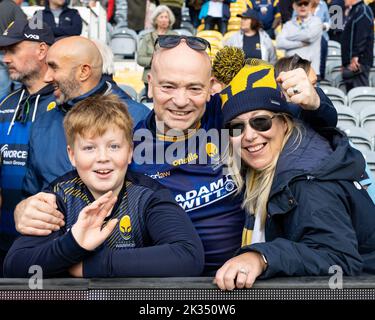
x=280, y=53
x=200, y=27
x=228, y=35
x=212, y=34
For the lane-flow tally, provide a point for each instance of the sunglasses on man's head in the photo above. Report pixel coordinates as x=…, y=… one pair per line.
x=259, y=123
x=171, y=41
x=302, y=3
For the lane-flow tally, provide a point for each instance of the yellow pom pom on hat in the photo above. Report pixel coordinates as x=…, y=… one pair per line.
x=253, y=88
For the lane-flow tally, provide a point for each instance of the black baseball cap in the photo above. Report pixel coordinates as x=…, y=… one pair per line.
x=249, y=13
x=20, y=30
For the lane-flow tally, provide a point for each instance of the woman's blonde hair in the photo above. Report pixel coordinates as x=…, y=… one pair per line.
x=159, y=10
x=257, y=183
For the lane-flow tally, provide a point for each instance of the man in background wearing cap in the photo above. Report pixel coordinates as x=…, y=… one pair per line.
x=254, y=41
x=25, y=50
x=302, y=35
x=9, y=11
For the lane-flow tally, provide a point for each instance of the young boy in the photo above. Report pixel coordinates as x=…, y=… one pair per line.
x=118, y=223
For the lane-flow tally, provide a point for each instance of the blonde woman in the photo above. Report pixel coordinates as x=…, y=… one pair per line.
x=305, y=210
x=162, y=21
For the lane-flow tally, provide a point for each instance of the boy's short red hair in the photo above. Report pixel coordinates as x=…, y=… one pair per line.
x=93, y=116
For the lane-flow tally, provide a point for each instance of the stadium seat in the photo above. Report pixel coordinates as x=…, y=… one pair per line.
x=358, y=106
x=361, y=94
x=336, y=95
x=234, y=24
x=228, y=35
x=124, y=42
x=183, y=32
x=330, y=65
x=360, y=138
x=367, y=120
x=142, y=95
x=188, y=26
x=210, y=34
x=334, y=54
x=129, y=90
x=346, y=117
x=372, y=77
x=334, y=45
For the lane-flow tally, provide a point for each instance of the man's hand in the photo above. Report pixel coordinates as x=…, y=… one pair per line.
x=88, y=231
x=240, y=271
x=38, y=215
x=298, y=89
x=354, y=64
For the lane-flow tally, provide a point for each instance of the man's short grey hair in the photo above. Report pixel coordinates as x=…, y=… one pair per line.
x=107, y=57
x=161, y=9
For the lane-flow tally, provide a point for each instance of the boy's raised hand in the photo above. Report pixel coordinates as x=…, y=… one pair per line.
x=88, y=231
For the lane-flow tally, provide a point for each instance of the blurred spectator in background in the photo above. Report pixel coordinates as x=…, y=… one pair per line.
x=136, y=14
x=320, y=10
x=372, y=7
x=254, y=41
x=194, y=8
x=336, y=7
x=138, y=110
x=286, y=10
x=162, y=22
x=9, y=11
x=215, y=13
x=357, y=44
x=269, y=14
x=64, y=21
x=302, y=35
x=176, y=8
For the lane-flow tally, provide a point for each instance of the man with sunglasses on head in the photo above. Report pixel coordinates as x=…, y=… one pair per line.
x=25, y=50
x=302, y=35
x=180, y=84
x=167, y=146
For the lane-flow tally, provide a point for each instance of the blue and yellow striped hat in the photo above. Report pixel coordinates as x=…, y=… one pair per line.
x=254, y=88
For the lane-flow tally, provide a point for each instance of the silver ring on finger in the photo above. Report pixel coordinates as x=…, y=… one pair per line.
x=244, y=271
x=295, y=90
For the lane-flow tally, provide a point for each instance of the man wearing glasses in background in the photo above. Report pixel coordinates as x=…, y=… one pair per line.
x=302, y=35
x=180, y=85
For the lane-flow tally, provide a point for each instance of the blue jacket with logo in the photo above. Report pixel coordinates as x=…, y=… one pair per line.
x=18, y=111
x=70, y=22
x=48, y=158
x=154, y=236
x=191, y=168
x=318, y=214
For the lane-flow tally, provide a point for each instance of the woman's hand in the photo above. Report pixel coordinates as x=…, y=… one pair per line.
x=240, y=271
x=76, y=270
x=88, y=231
x=299, y=89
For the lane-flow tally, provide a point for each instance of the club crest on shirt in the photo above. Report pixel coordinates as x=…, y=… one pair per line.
x=125, y=228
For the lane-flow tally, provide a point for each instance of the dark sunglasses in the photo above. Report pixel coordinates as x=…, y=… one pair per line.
x=305, y=3
x=171, y=41
x=259, y=123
